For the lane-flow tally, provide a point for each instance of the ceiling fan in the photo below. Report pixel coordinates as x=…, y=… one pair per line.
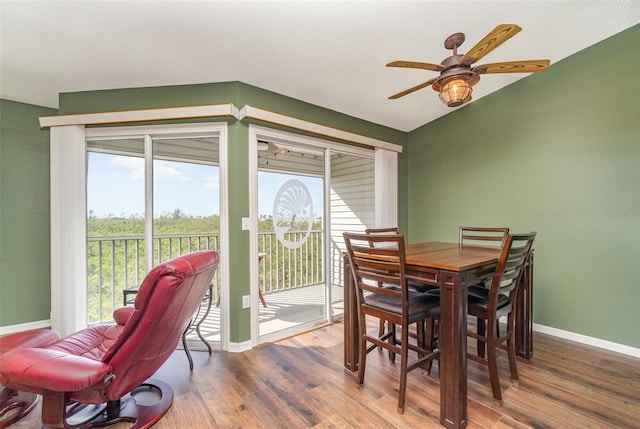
x=456, y=74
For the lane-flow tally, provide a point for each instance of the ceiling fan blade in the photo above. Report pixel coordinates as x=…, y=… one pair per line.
x=416, y=65
x=525, y=66
x=410, y=90
x=495, y=38
x=267, y=146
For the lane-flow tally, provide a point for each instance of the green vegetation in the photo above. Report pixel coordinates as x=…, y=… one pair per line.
x=167, y=223
x=116, y=255
x=112, y=263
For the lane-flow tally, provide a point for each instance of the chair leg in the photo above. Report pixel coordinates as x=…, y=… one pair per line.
x=425, y=341
x=481, y=330
x=420, y=336
x=511, y=348
x=185, y=346
x=53, y=408
x=362, y=342
x=493, y=363
x=403, y=368
x=392, y=340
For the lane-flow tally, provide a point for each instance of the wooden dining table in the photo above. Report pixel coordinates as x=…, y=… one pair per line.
x=453, y=268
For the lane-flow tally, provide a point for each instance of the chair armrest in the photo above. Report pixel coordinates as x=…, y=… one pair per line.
x=53, y=370
x=121, y=315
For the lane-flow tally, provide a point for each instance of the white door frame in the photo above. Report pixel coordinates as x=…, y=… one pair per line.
x=69, y=216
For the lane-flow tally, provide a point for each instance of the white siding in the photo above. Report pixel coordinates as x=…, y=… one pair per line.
x=352, y=194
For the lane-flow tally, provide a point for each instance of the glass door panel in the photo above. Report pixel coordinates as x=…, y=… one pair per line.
x=290, y=240
x=115, y=224
x=186, y=212
x=150, y=199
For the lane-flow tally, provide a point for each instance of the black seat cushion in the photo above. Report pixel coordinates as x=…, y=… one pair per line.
x=415, y=286
x=420, y=287
x=478, y=295
x=478, y=291
x=483, y=303
x=421, y=305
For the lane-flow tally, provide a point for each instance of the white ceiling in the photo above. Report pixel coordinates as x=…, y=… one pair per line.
x=329, y=53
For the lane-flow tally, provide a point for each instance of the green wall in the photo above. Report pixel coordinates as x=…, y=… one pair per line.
x=238, y=94
x=25, y=292
x=557, y=152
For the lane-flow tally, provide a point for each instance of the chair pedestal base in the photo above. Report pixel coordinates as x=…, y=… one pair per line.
x=144, y=406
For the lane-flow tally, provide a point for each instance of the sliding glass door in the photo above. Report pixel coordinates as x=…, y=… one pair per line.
x=308, y=193
x=150, y=197
x=290, y=239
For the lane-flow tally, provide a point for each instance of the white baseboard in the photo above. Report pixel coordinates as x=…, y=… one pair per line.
x=12, y=329
x=239, y=347
x=584, y=339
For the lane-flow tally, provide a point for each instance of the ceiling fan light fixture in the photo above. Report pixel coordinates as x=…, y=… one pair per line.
x=456, y=92
x=457, y=76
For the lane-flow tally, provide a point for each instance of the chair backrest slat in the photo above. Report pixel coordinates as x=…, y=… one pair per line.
x=511, y=263
x=481, y=236
x=381, y=231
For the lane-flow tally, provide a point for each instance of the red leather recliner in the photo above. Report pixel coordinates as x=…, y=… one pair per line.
x=106, y=362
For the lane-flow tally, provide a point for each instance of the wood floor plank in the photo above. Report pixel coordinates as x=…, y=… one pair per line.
x=598, y=362
x=270, y=373
x=333, y=422
x=291, y=392
x=540, y=411
x=507, y=422
x=271, y=411
x=189, y=410
x=237, y=374
x=620, y=378
x=588, y=400
x=413, y=417
x=307, y=373
x=228, y=409
x=352, y=408
x=309, y=409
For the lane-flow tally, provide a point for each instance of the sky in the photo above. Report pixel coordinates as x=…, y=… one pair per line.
x=115, y=187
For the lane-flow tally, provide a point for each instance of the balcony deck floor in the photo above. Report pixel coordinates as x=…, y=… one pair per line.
x=285, y=309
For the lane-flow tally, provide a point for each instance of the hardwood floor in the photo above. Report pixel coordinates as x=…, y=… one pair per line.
x=300, y=382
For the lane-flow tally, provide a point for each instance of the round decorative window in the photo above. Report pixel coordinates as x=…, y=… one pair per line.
x=293, y=214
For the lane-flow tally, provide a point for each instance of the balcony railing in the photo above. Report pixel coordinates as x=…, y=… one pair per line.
x=117, y=263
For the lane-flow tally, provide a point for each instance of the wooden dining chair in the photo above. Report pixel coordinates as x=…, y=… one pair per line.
x=380, y=259
x=415, y=286
x=500, y=300
x=481, y=236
